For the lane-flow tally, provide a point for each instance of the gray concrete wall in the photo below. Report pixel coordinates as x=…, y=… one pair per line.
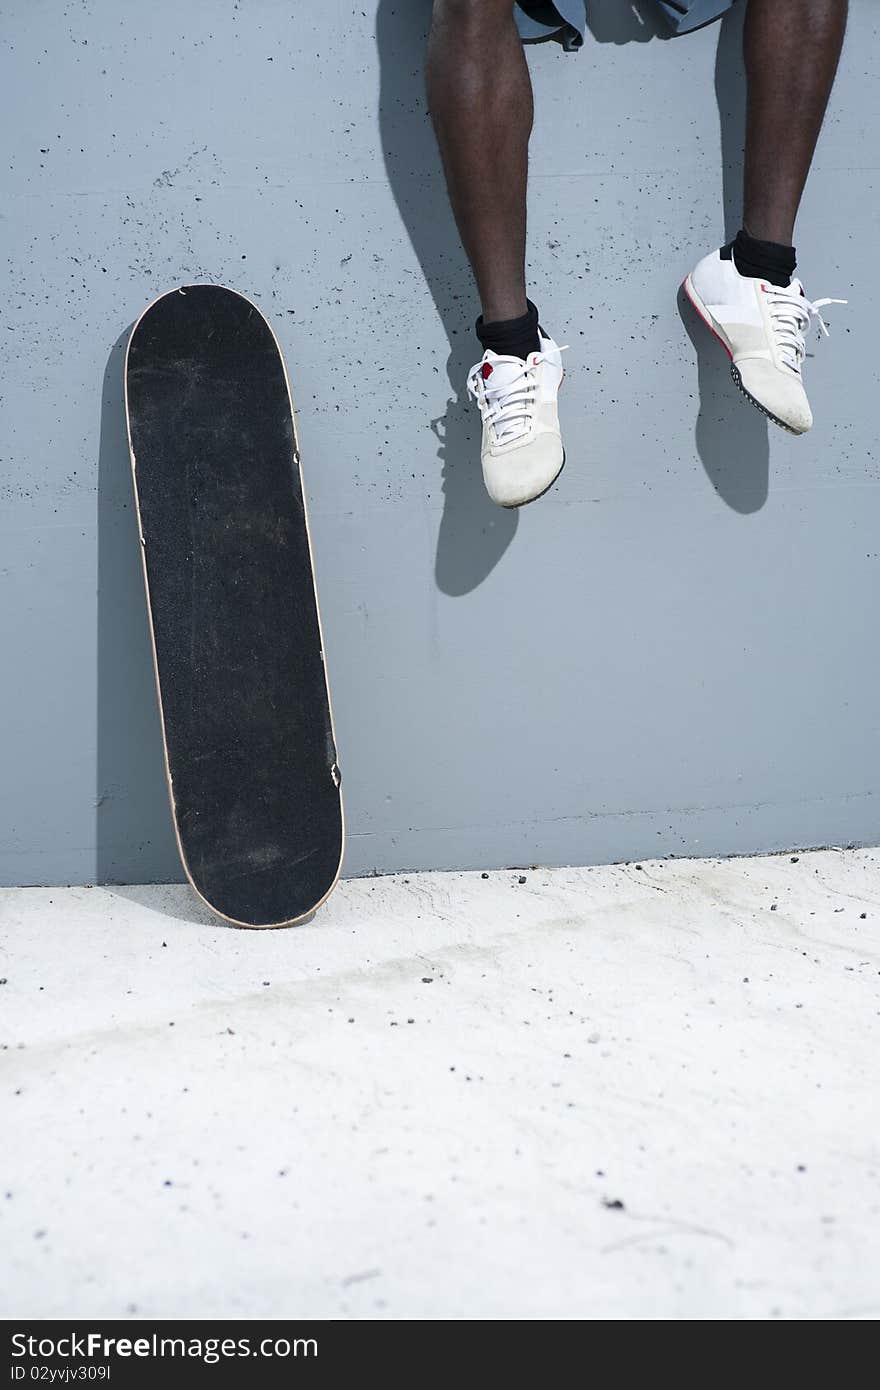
x=674, y=652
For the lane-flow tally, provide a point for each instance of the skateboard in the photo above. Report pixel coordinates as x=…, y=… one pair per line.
x=250, y=750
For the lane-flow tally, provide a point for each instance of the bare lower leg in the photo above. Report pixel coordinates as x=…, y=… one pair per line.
x=480, y=96
x=791, y=49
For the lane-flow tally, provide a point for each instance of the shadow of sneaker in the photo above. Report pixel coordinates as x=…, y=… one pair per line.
x=731, y=437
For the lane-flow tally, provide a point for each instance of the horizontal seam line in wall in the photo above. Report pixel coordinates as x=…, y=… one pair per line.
x=534, y=176
x=316, y=511
x=589, y=816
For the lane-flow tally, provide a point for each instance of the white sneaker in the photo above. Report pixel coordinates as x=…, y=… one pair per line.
x=522, y=452
x=762, y=327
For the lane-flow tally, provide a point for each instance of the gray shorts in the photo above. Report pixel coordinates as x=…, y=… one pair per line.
x=540, y=19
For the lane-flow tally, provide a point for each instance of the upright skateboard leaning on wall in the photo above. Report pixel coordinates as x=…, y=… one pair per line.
x=249, y=742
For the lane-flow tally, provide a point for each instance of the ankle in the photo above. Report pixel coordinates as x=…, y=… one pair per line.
x=769, y=226
x=761, y=259
x=504, y=310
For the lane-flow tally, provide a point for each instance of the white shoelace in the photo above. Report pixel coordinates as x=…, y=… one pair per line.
x=792, y=314
x=507, y=405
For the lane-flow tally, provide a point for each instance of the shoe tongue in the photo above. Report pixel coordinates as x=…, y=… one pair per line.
x=499, y=372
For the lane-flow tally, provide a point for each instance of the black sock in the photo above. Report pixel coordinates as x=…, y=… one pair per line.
x=761, y=260
x=511, y=337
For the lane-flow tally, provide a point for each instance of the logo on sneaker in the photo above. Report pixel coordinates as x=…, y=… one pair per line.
x=487, y=370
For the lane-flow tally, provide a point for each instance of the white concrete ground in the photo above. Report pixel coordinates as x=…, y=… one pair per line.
x=630, y=1092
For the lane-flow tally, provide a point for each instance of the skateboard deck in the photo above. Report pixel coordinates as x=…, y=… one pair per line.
x=248, y=732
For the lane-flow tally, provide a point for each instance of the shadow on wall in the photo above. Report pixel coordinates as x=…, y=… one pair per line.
x=732, y=441
x=474, y=533
x=731, y=437
x=134, y=832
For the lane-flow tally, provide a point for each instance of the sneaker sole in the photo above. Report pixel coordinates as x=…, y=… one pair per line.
x=703, y=313
x=515, y=506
